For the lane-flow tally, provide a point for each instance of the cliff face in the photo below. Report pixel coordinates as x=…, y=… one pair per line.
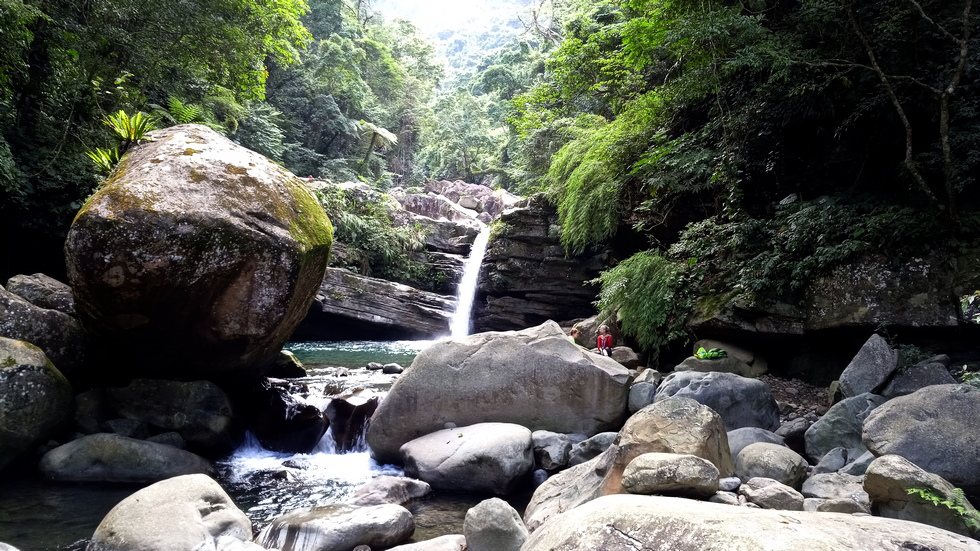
x=526, y=277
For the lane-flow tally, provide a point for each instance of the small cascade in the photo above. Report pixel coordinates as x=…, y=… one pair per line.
x=459, y=326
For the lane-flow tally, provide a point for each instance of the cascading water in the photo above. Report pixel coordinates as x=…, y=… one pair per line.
x=460, y=324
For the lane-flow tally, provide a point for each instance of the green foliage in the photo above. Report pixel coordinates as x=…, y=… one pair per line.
x=373, y=246
x=957, y=503
x=659, y=317
x=105, y=159
x=712, y=354
x=970, y=307
x=909, y=354
x=129, y=129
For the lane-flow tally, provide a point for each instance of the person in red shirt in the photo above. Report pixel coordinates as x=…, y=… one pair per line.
x=604, y=341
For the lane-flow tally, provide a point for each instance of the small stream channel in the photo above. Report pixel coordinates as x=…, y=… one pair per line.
x=36, y=515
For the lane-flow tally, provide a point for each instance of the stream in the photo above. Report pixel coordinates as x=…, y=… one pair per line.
x=36, y=515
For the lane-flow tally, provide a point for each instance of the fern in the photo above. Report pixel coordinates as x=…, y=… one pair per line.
x=105, y=159
x=184, y=113
x=957, y=503
x=129, y=129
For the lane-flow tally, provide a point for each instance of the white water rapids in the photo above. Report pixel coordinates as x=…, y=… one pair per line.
x=466, y=292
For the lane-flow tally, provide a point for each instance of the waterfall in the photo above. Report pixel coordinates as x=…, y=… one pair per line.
x=459, y=326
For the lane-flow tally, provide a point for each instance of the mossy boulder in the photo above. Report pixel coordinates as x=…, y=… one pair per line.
x=197, y=256
x=35, y=399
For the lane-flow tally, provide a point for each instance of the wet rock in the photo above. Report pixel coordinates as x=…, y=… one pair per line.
x=771, y=461
x=287, y=366
x=870, y=368
x=108, y=457
x=35, y=399
x=397, y=490
x=668, y=473
x=338, y=527
x=43, y=291
x=349, y=418
x=58, y=334
x=181, y=513
x=281, y=422
x=493, y=525
x=197, y=241
x=495, y=458
x=501, y=377
x=392, y=369
x=934, y=428
x=741, y=402
x=676, y=524
x=199, y=410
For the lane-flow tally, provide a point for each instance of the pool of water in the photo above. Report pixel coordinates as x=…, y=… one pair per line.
x=37, y=515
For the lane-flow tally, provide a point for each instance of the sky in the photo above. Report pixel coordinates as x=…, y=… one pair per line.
x=434, y=16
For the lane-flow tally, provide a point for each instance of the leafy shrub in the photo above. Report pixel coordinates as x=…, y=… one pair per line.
x=649, y=297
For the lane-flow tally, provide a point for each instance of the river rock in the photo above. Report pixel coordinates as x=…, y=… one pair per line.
x=771, y=494
x=675, y=524
x=58, y=334
x=832, y=461
x=106, y=457
x=442, y=235
x=198, y=410
x=43, y=291
x=435, y=206
x=338, y=527
x=908, y=379
x=626, y=356
x=738, y=439
x=590, y=448
x=771, y=461
x=349, y=419
x=831, y=486
x=551, y=449
x=287, y=366
x=670, y=473
x=398, y=490
x=494, y=458
x=282, y=422
x=678, y=425
x=451, y=542
x=888, y=481
x=741, y=402
x=729, y=364
x=641, y=395
x=198, y=256
x=501, y=377
x=527, y=277
x=35, y=399
x=841, y=427
x=933, y=428
x=493, y=525
x=178, y=514
x=870, y=368
x=649, y=376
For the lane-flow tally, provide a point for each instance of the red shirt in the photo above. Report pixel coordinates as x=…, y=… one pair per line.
x=604, y=341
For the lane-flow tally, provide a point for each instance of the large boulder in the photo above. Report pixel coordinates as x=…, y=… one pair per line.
x=888, y=481
x=106, y=457
x=671, y=473
x=741, y=402
x=283, y=422
x=728, y=364
x=339, y=528
x=390, y=489
x=934, y=428
x=527, y=277
x=348, y=419
x=841, y=427
x=349, y=305
x=198, y=256
x=198, y=410
x=908, y=379
x=493, y=525
x=58, y=334
x=495, y=458
x=870, y=368
x=769, y=493
x=35, y=399
x=181, y=513
x=43, y=291
x=678, y=425
x=536, y=378
x=676, y=524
